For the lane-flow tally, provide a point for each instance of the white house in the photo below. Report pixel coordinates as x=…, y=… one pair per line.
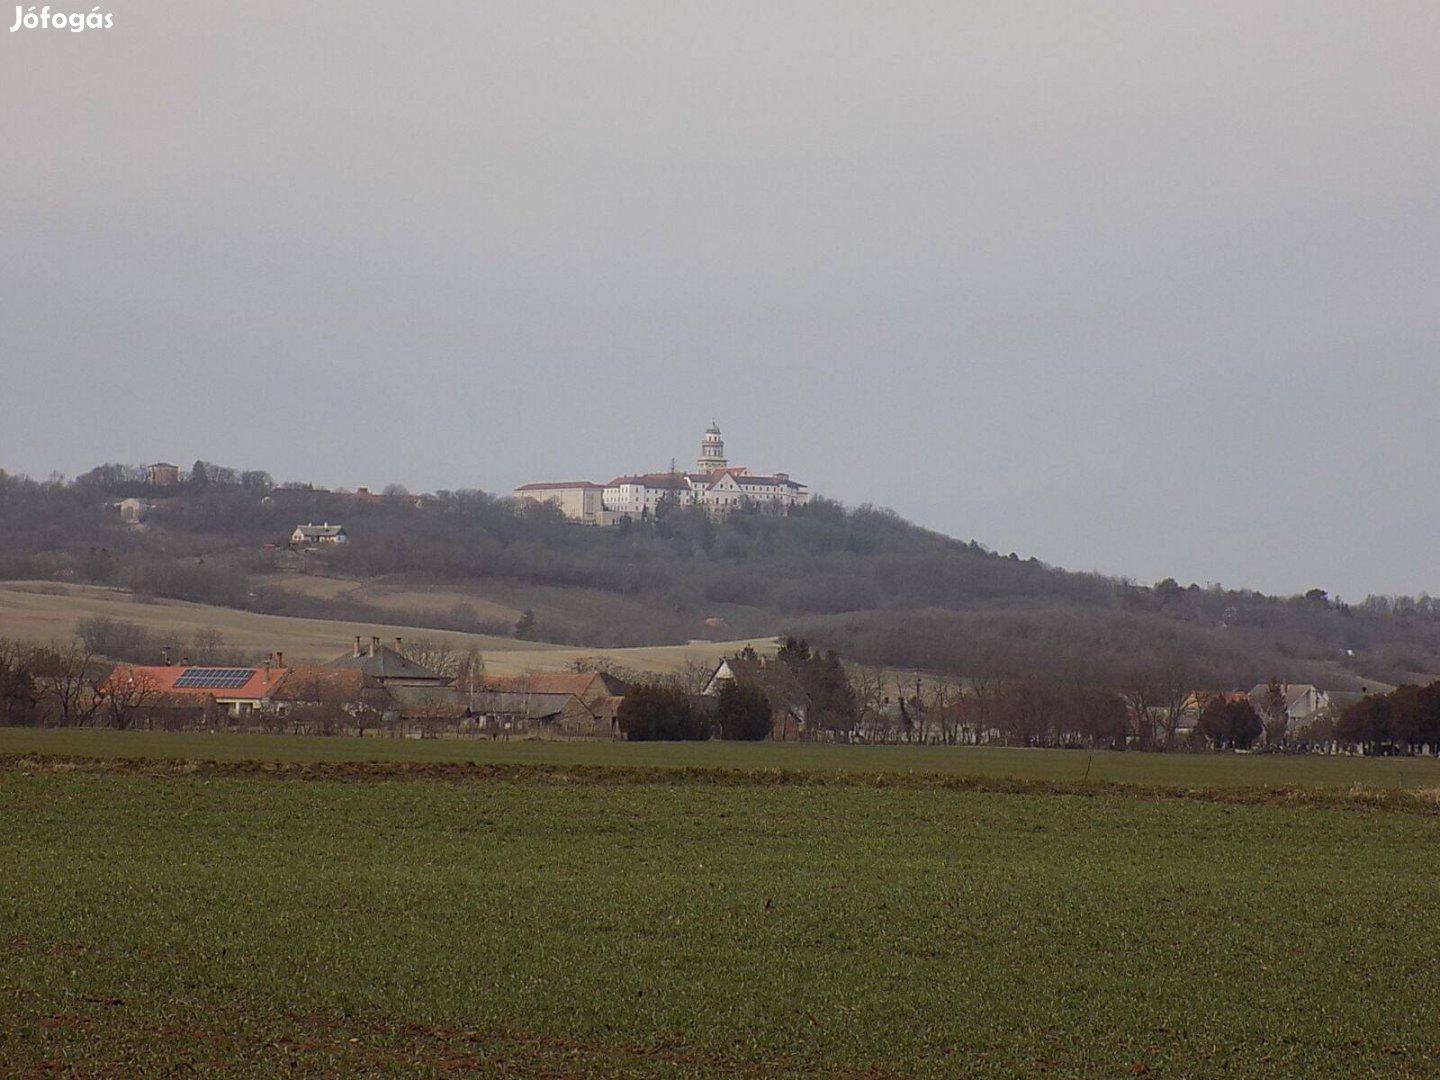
x=1303, y=702
x=133, y=511
x=316, y=535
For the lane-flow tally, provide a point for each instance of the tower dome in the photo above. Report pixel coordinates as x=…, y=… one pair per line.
x=712, y=450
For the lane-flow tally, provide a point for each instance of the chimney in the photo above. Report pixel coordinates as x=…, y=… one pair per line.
x=374, y=644
x=357, y=644
x=399, y=646
x=279, y=659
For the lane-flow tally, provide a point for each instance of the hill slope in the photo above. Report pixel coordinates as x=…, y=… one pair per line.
x=862, y=581
x=39, y=612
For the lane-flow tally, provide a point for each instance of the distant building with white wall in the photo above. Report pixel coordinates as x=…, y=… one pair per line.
x=578, y=500
x=133, y=511
x=716, y=486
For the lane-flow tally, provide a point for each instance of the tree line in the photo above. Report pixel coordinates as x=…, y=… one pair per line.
x=1405, y=720
x=63, y=684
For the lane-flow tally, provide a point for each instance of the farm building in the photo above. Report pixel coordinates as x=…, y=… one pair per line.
x=318, y=535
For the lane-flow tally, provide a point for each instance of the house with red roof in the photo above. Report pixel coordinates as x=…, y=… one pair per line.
x=238, y=691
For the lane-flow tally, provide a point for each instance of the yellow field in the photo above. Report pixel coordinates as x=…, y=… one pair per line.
x=42, y=611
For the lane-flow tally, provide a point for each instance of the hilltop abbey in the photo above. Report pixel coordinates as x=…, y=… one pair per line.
x=715, y=485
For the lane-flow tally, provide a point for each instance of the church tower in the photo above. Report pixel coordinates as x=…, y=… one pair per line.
x=712, y=450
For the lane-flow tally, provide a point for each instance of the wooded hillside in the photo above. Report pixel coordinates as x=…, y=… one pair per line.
x=862, y=581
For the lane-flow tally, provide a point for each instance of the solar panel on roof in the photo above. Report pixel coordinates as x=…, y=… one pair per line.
x=202, y=678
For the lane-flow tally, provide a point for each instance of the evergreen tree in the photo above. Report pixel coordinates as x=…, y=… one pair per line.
x=651, y=712
x=743, y=712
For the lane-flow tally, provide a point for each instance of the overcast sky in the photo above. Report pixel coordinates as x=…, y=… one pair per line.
x=1149, y=288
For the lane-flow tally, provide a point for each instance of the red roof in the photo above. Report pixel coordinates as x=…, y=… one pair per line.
x=319, y=684
x=541, y=682
x=260, y=684
x=655, y=480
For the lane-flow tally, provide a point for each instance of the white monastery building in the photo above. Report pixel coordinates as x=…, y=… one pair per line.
x=715, y=485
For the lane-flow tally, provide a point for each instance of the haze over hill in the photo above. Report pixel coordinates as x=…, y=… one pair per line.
x=861, y=581
x=1139, y=287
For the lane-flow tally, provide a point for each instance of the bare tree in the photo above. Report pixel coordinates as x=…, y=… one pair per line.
x=435, y=654
x=1028, y=709
x=470, y=674
x=208, y=647
x=694, y=675
x=18, y=693
x=124, y=698
x=914, y=719
x=681, y=679
x=1159, y=690
x=985, y=692
x=868, y=686
x=65, y=681
x=946, y=695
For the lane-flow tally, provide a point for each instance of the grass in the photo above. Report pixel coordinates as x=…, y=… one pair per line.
x=1064, y=766
x=212, y=924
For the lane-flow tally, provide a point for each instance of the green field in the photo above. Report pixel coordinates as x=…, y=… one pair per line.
x=1067, y=766
x=220, y=923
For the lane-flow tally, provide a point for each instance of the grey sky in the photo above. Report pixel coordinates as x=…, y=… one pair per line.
x=1143, y=287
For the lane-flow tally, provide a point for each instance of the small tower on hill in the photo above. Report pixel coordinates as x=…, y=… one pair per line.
x=712, y=450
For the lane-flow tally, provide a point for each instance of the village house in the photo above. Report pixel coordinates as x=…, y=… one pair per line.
x=556, y=715
x=1304, y=703
x=1194, y=705
x=591, y=687
x=318, y=535
x=343, y=689
x=598, y=693
x=133, y=511
x=387, y=667
x=787, y=698
x=236, y=691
